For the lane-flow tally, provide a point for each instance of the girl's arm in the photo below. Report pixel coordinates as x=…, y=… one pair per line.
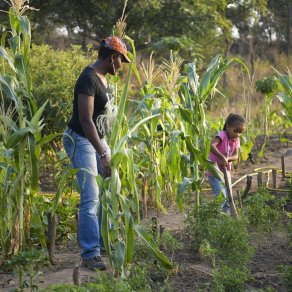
x=234, y=155
x=213, y=146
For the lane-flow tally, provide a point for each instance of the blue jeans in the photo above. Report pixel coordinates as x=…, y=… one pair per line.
x=83, y=155
x=218, y=187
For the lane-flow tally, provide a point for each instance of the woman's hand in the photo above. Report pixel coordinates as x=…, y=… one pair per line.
x=105, y=162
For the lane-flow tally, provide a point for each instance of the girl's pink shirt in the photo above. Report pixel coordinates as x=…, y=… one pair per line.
x=226, y=147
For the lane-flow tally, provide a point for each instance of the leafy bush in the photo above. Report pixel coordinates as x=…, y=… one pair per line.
x=66, y=227
x=287, y=274
x=199, y=221
x=54, y=74
x=264, y=211
x=225, y=241
x=26, y=265
x=230, y=241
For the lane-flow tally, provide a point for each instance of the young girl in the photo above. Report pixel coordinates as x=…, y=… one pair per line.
x=224, y=149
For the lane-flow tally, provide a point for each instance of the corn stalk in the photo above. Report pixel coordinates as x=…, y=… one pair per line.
x=21, y=136
x=159, y=148
x=121, y=197
x=285, y=94
x=194, y=96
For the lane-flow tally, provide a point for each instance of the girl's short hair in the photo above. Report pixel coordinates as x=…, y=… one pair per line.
x=234, y=119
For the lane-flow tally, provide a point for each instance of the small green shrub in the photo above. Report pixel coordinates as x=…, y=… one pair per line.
x=227, y=278
x=66, y=212
x=199, y=221
x=169, y=243
x=224, y=240
x=288, y=277
x=264, y=211
x=26, y=265
x=54, y=73
x=289, y=230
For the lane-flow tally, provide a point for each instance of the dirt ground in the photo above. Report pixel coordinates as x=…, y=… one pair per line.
x=193, y=273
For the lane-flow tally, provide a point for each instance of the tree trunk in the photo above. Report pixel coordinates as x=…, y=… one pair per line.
x=288, y=27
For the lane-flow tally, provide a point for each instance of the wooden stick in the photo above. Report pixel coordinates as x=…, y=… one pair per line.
x=260, y=179
x=233, y=210
x=144, y=198
x=248, y=187
x=283, y=167
x=76, y=276
x=51, y=236
x=274, y=177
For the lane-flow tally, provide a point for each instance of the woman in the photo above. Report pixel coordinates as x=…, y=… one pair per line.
x=85, y=144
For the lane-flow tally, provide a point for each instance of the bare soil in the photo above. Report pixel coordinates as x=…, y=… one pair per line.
x=193, y=272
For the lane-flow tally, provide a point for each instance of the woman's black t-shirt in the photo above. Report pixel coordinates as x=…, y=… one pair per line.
x=90, y=84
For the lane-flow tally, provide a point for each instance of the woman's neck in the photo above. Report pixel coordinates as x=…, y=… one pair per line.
x=100, y=71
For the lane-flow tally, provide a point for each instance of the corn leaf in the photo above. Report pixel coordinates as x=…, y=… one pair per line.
x=4, y=55
x=150, y=243
x=129, y=133
x=7, y=85
x=20, y=134
x=182, y=188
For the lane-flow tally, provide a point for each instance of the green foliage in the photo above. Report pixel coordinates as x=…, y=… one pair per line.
x=21, y=133
x=66, y=214
x=24, y=264
x=267, y=85
x=285, y=82
x=225, y=241
x=138, y=279
x=264, y=211
x=287, y=275
x=54, y=73
x=184, y=46
x=194, y=96
x=199, y=221
x=228, y=278
x=154, y=271
x=289, y=231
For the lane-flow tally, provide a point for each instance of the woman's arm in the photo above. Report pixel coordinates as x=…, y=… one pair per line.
x=86, y=108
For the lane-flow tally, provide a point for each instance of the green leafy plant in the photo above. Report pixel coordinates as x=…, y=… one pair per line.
x=25, y=264
x=225, y=241
x=118, y=225
x=21, y=130
x=267, y=86
x=264, y=211
x=194, y=95
x=287, y=275
x=285, y=84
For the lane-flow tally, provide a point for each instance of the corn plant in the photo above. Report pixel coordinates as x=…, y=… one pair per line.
x=159, y=148
x=285, y=94
x=21, y=137
x=121, y=197
x=194, y=96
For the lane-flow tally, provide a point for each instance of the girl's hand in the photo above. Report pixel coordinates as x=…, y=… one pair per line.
x=223, y=161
